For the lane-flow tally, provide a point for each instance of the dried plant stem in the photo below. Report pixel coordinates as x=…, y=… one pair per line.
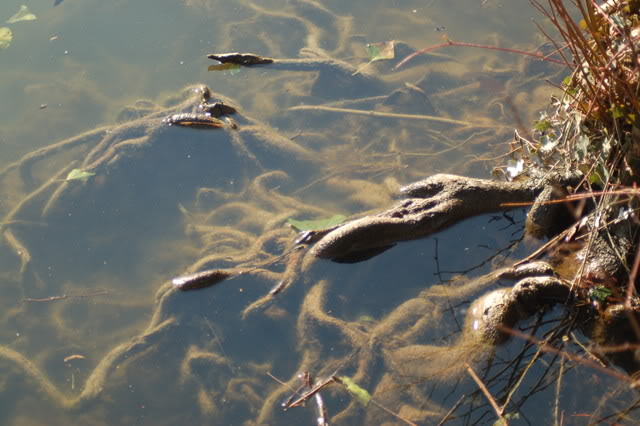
x=386, y=114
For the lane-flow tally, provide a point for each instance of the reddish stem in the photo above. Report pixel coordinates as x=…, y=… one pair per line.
x=479, y=46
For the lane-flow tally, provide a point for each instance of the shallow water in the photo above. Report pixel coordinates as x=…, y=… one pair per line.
x=88, y=334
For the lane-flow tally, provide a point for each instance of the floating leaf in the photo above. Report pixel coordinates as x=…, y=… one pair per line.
x=380, y=51
x=24, y=14
x=77, y=174
x=361, y=395
x=316, y=225
x=5, y=37
x=367, y=319
x=232, y=68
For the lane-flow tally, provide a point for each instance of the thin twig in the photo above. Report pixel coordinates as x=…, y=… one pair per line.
x=66, y=296
x=499, y=411
x=453, y=409
x=385, y=114
x=311, y=392
x=581, y=360
x=556, y=406
x=479, y=46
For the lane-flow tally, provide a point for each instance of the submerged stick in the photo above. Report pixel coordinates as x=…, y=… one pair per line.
x=311, y=392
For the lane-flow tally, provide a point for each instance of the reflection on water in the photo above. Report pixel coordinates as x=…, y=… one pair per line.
x=92, y=331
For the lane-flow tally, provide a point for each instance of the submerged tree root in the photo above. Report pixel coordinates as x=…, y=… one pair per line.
x=390, y=357
x=430, y=206
x=159, y=327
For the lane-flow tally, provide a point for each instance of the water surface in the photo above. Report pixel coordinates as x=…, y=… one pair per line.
x=87, y=335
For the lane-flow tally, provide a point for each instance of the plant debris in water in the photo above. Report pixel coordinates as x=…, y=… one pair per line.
x=378, y=52
x=244, y=59
x=24, y=14
x=361, y=395
x=415, y=352
x=78, y=174
x=5, y=37
x=317, y=224
x=232, y=68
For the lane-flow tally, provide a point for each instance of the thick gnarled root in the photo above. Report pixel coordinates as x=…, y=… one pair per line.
x=430, y=205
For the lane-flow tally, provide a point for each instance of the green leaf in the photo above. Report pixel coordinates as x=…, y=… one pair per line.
x=618, y=111
x=361, y=395
x=366, y=318
x=631, y=118
x=232, y=68
x=316, y=225
x=24, y=14
x=584, y=168
x=5, y=37
x=599, y=293
x=595, y=179
x=77, y=174
x=504, y=420
x=543, y=125
x=380, y=51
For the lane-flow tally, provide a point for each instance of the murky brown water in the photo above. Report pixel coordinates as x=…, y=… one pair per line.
x=89, y=333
